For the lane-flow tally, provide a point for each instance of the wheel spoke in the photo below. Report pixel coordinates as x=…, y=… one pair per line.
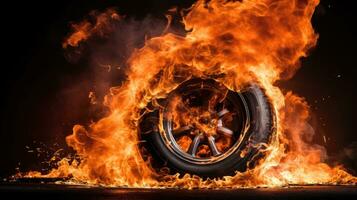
x=181, y=130
x=222, y=112
x=224, y=130
x=212, y=146
x=219, y=123
x=194, y=145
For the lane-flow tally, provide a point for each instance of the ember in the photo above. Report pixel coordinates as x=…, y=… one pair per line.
x=235, y=43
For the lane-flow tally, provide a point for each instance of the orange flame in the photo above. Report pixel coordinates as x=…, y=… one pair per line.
x=248, y=41
x=86, y=29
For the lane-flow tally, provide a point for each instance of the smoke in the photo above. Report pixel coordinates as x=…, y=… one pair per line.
x=346, y=157
x=262, y=40
x=105, y=41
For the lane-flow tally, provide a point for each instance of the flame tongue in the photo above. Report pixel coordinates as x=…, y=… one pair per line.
x=257, y=41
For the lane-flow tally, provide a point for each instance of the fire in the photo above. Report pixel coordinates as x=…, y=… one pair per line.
x=205, y=122
x=86, y=29
x=246, y=41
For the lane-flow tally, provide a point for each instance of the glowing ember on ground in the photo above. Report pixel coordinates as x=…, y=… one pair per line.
x=248, y=41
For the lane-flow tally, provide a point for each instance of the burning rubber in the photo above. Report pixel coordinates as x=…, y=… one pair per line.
x=201, y=108
x=208, y=129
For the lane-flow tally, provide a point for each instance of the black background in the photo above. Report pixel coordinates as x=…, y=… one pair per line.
x=43, y=95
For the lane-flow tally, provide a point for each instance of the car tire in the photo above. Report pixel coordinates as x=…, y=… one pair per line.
x=260, y=130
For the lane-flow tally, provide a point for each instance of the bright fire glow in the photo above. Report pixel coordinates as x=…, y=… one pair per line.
x=248, y=41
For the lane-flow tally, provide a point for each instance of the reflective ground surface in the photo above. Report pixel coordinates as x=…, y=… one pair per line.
x=57, y=191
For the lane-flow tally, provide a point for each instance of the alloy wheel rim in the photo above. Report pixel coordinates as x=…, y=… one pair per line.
x=209, y=128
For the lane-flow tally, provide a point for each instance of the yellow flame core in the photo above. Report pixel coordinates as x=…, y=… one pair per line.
x=249, y=41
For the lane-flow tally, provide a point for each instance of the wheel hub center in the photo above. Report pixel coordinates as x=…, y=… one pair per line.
x=206, y=124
